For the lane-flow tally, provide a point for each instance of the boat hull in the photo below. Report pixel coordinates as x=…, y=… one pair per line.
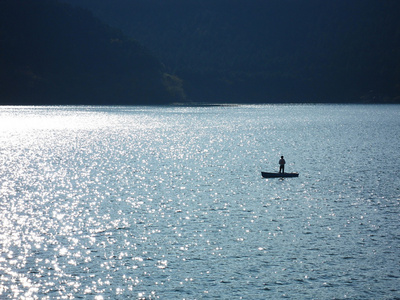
x=279, y=175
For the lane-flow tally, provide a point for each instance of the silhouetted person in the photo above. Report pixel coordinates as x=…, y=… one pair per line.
x=282, y=163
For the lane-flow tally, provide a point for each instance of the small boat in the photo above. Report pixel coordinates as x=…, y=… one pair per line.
x=277, y=175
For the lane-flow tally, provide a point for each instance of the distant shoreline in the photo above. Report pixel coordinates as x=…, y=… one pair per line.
x=202, y=104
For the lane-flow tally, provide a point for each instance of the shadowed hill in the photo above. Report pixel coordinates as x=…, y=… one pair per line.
x=52, y=53
x=269, y=50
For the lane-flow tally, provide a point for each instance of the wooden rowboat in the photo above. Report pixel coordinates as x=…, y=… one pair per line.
x=278, y=175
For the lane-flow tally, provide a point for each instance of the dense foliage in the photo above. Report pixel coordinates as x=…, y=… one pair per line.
x=52, y=53
x=269, y=50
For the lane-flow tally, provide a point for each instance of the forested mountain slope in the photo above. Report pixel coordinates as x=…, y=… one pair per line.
x=52, y=53
x=269, y=50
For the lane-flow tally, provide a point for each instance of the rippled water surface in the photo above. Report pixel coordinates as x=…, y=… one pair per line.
x=169, y=203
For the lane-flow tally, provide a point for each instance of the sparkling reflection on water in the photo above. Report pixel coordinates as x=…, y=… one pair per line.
x=168, y=202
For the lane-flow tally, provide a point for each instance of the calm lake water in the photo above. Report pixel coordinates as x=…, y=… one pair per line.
x=169, y=203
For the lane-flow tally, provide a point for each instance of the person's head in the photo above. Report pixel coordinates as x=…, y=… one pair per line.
x=281, y=156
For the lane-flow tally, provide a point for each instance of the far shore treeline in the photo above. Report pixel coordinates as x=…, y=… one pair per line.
x=128, y=52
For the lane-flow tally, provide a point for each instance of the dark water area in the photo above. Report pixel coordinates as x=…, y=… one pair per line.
x=169, y=202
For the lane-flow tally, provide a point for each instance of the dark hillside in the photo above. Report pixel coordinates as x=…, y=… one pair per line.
x=269, y=50
x=52, y=53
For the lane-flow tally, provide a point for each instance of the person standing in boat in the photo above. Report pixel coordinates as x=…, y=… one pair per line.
x=282, y=163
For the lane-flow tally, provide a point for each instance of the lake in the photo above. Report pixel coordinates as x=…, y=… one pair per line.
x=169, y=202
